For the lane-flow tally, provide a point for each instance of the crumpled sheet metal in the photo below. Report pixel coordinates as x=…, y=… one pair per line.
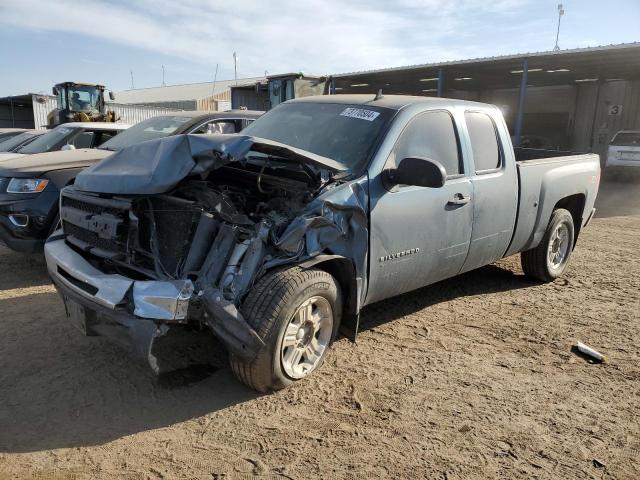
x=156, y=166
x=335, y=222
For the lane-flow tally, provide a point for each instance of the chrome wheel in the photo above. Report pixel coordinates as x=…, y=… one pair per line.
x=558, y=246
x=306, y=337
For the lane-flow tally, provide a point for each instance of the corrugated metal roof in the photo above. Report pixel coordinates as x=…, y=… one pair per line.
x=173, y=93
x=599, y=48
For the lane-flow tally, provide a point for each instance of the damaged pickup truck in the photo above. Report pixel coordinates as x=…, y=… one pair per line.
x=277, y=237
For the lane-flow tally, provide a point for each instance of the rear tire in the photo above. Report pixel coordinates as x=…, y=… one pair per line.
x=549, y=259
x=297, y=313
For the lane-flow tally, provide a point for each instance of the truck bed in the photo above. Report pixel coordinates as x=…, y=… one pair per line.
x=545, y=178
x=529, y=154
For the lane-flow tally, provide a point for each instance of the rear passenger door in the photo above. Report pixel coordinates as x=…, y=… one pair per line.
x=420, y=235
x=495, y=188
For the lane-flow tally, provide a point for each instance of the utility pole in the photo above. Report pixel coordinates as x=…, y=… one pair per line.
x=215, y=78
x=235, y=67
x=132, y=86
x=560, y=14
x=163, y=84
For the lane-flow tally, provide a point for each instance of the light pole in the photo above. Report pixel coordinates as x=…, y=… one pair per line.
x=235, y=67
x=560, y=14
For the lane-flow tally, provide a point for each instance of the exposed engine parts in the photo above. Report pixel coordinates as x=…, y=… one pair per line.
x=191, y=245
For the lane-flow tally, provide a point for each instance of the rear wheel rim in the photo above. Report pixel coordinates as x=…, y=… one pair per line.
x=558, y=249
x=306, y=337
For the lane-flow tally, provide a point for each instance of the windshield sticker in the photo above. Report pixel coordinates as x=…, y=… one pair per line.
x=181, y=119
x=361, y=113
x=64, y=130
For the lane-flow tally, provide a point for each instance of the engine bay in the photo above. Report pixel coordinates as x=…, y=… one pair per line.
x=210, y=228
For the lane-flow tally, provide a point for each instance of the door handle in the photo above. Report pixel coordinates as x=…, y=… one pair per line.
x=459, y=199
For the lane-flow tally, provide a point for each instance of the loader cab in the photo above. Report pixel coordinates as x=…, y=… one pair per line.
x=78, y=97
x=79, y=102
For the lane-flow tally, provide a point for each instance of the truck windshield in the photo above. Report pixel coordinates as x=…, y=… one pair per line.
x=344, y=133
x=150, y=129
x=84, y=99
x=48, y=141
x=631, y=139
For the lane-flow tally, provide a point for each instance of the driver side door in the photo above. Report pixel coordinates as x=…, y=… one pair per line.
x=420, y=235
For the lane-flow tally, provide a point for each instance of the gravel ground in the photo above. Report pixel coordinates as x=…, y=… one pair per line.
x=470, y=378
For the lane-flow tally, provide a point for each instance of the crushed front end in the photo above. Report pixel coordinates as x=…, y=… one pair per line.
x=132, y=262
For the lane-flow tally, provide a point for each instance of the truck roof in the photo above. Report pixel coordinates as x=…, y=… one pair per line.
x=394, y=102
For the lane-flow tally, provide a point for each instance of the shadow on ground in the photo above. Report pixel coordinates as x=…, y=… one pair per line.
x=485, y=280
x=61, y=389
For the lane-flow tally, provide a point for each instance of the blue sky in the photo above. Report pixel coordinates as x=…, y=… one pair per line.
x=47, y=41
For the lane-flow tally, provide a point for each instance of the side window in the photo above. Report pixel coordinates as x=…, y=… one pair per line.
x=219, y=126
x=104, y=136
x=429, y=135
x=484, y=141
x=246, y=122
x=83, y=140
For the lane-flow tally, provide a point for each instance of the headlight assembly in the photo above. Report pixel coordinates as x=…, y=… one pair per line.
x=27, y=185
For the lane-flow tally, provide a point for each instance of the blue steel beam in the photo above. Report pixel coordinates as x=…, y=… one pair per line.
x=440, y=82
x=521, y=102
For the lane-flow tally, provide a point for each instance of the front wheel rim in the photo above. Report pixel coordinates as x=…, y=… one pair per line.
x=558, y=249
x=306, y=337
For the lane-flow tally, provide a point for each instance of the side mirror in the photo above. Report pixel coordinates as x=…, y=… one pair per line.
x=112, y=96
x=68, y=146
x=420, y=172
x=54, y=90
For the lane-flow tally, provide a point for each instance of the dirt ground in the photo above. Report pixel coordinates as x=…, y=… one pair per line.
x=471, y=378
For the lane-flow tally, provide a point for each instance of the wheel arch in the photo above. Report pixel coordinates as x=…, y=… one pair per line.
x=575, y=205
x=344, y=271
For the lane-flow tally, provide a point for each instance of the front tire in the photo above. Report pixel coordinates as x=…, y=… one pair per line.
x=550, y=258
x=297, y=313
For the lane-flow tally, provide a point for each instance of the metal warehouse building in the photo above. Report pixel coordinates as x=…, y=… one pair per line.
x=569, y=99
x=131, y=106
x=31, y=110
x=206, y=96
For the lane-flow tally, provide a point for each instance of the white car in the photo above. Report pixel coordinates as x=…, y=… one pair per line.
x=624, y=152
x=69, y=136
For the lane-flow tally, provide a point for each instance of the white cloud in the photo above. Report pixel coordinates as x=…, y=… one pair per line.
x=314, y=36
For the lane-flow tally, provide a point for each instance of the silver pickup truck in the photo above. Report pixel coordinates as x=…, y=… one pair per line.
x=276, y=238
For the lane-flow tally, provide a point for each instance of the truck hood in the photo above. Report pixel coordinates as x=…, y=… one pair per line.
x=45, y=162
x=156, y=166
